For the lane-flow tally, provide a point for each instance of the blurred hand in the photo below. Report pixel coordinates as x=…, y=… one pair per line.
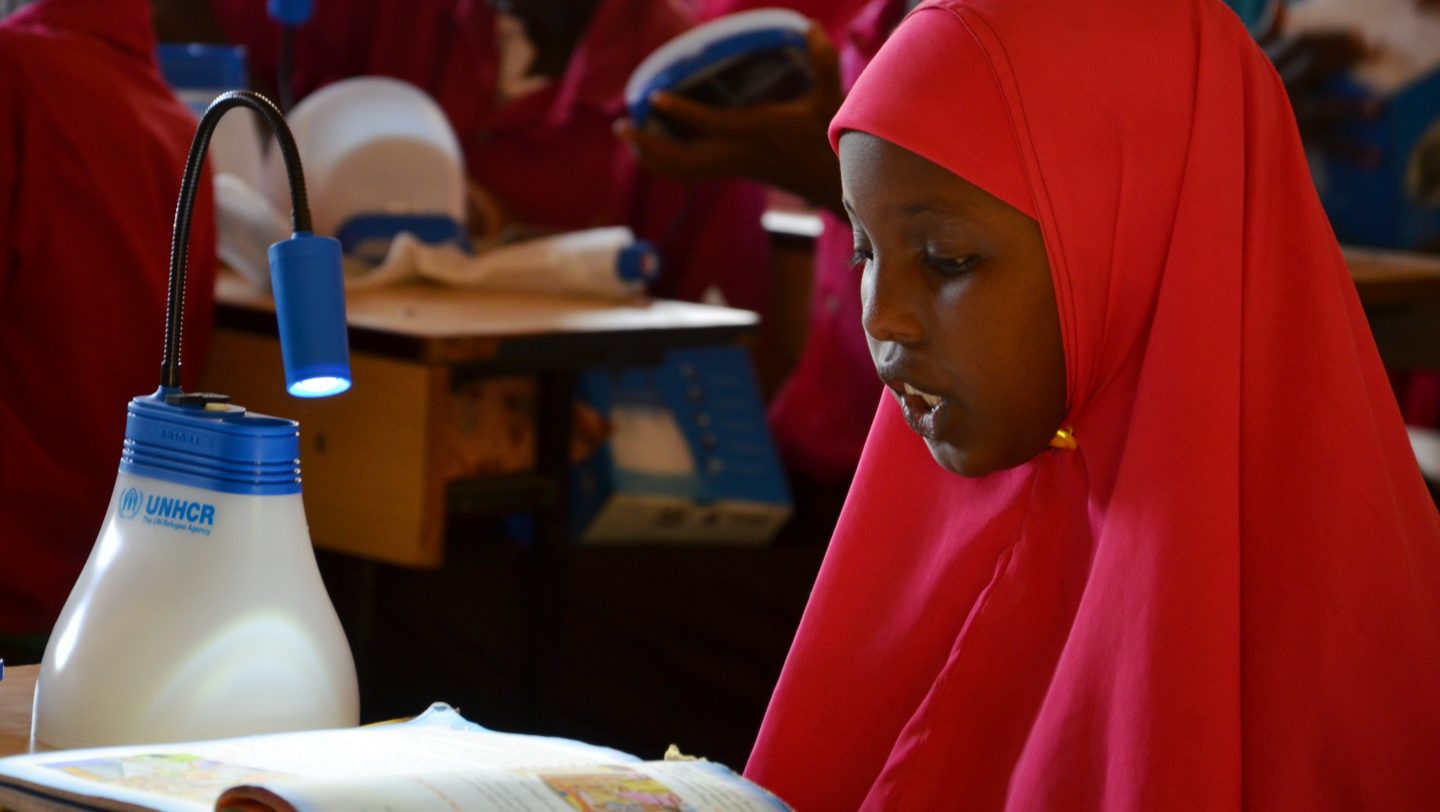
x=783, y=144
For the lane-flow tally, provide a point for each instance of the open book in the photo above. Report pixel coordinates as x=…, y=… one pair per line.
x=436, y=761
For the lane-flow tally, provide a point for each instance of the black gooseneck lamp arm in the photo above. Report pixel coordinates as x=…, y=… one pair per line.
x=180, y=242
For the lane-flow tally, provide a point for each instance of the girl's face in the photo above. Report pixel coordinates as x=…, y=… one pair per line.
x=959, y=308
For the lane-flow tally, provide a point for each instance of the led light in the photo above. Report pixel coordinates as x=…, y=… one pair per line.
x=321, y=387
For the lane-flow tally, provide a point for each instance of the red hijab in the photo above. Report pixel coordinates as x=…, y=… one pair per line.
x=1229, y=594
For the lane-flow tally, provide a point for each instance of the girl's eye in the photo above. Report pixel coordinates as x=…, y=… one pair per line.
x=859, y=259
x=950, y=267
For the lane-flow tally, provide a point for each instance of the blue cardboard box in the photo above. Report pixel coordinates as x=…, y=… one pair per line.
x=689, y=459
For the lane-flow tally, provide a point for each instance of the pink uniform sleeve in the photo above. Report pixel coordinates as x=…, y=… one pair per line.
x=711, y=237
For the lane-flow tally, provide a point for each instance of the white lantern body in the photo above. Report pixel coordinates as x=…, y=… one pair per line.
x=200, y=612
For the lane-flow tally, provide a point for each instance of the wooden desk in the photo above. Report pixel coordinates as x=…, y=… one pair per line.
x=17, y=693
x=1393, y=277
x=381, y=463
x=1401, y=295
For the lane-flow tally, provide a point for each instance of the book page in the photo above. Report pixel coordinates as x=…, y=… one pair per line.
x=190, y=777
x=714, y=787
x=681, y=786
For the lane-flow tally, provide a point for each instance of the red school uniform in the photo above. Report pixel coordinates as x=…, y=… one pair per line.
x=90, y=170
x=550, y=156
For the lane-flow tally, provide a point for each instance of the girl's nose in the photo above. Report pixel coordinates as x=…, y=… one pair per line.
x=888, y=305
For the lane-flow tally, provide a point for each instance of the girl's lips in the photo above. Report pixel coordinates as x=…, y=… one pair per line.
x=927, y=413
x=924, y=412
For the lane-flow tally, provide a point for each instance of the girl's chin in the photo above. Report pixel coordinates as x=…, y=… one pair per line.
x=955, y=460
x=972, y=463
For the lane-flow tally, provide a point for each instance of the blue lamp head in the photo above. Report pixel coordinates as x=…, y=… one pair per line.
x=309, y=288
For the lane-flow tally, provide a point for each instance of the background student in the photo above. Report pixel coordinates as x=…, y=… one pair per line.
x=91, y=158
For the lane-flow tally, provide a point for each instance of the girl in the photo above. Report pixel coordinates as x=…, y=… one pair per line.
x=92, y=149
x=1137, y=525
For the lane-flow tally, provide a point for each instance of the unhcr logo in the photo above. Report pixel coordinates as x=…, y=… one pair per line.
x=130, y=503
x=167, y=511
x=166, y=507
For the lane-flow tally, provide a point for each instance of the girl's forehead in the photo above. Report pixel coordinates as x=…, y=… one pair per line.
x=885, y=178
